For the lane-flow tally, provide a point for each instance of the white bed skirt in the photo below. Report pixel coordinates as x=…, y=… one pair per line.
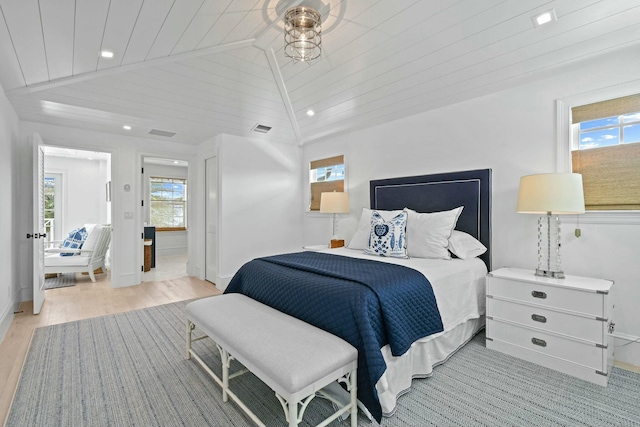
x=419, y=361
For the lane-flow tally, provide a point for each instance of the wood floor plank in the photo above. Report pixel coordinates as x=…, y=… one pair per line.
x=84, y=301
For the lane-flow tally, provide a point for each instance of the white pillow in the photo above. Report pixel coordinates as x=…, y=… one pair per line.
x=388, y=238
x=360, y=239
x=92, y=239
x=465, y=246
x=428, y=233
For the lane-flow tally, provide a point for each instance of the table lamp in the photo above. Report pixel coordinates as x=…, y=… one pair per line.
x=334, y=203
x=550, y=194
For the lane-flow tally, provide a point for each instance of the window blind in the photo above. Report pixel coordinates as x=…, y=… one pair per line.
x=608, y=108
x=323, y=163
x=610, y=176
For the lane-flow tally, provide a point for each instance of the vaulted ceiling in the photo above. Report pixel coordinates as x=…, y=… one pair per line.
x=204, y=67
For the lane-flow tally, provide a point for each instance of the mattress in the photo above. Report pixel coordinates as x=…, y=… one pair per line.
x=459, y=287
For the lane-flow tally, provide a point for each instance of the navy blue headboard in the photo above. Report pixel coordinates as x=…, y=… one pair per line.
x=441, y=192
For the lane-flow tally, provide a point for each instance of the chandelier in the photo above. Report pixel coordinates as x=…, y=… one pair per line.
x=302, y=39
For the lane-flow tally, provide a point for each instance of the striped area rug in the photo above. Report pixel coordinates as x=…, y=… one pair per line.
x=62, y=281
x=130, y=369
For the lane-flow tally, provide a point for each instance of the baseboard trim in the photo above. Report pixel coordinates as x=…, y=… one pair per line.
x=626, y=366
x=5, y=320
x=171, y=251
x=626, y=351
x=223, y=282
x=124, y=280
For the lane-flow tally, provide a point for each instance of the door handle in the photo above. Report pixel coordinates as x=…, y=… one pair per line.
x=36, y=235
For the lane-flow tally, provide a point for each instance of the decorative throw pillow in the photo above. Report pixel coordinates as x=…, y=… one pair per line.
x=93, y=234
x=388, y=238
x=74, y=240
x=465, y=246
x=428, y=233
x=361, y=238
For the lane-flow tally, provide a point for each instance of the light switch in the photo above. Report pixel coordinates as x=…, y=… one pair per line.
x=128, y=215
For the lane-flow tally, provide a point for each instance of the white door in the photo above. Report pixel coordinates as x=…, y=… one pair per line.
x=38, y=225
x=211, y=219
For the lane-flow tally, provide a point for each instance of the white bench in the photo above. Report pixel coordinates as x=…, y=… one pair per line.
x=292, y=357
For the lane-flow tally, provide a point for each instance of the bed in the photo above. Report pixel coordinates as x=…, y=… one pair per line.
x=386, y=370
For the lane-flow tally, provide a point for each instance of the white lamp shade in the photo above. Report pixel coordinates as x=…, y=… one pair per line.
x=557, y=193
x=334, y=202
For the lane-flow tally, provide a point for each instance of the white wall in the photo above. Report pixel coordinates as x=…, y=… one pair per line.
x=167, y=242
x=260, y=196
x=126, y=153
x=83, y=191
x=10, y=235
x=512, y=132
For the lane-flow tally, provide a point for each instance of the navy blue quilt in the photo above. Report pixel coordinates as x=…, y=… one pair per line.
x=367, y=303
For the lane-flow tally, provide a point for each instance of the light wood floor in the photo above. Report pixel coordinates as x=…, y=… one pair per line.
x=83, y=301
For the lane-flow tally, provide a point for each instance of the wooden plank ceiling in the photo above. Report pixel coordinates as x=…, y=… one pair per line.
x=200, y=68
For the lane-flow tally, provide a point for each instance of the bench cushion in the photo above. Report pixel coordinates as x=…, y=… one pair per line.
x=286, y=353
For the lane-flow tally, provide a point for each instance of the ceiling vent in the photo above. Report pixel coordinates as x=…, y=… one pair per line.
x=159, y=132
x=261, y=128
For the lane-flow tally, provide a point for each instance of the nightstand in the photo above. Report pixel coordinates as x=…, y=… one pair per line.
x=315, y=248
x=563, y=324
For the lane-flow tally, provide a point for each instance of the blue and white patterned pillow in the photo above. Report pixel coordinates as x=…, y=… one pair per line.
x=74, y=240
x=388, y=238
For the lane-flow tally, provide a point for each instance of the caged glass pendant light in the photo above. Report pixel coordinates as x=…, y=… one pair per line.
x=302, y=34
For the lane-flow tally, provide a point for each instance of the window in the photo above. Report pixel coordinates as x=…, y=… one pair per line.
x=605, y=149
x=325, y=175
x=50, y=207
x=168, y=203
x=53, y=206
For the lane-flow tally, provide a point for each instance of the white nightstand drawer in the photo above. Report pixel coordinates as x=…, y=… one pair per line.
x=549, y=320
x=545, y=343
x=591, y=303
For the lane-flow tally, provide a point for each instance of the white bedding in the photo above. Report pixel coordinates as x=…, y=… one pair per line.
x=459, y=288
x=459, y=285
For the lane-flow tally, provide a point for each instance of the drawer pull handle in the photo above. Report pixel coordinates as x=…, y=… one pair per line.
x=539, y=294
x=538, y=341
x=539, y=318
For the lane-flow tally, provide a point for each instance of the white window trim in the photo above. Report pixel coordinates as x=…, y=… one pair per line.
x=563, y=144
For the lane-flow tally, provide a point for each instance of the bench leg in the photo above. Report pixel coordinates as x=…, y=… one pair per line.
x=189, y=329
x=226, y=362
x=353, y=389
x=293, y=414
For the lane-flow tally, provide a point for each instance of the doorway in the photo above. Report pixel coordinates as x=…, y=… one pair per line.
x=75, y=197
x=165, y=206
x=76, y=183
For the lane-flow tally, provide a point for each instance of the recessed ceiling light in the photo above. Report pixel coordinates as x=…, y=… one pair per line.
x=106, y=54
x=544, y=18
x=310, y=113
x=126, y=127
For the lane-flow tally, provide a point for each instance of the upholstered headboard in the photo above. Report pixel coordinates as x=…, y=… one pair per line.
x=440, y=192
